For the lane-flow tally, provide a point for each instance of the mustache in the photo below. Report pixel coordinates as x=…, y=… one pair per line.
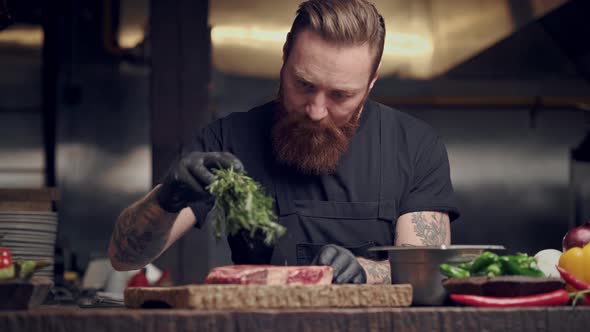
x=300, y=124
x=314, y=147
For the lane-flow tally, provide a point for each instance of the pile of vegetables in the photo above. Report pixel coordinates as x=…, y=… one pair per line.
x=19, y=269
x=572, y=265
x=240, y=203
x=491, y=265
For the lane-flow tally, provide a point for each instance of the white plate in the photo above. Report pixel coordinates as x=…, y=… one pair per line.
x=27, y=236
x=28, y=213
x=34, y=252
x=27, y=221
x=33, y=258
x=33, y=255
x=17, y=216
x=29, y=246
x=24, y=215
x=36, y=243
x=27, y=226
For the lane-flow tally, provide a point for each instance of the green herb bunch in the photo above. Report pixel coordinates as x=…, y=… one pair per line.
x=240, y=203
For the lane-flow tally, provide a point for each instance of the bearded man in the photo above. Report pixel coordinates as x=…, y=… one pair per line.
x=346, y=173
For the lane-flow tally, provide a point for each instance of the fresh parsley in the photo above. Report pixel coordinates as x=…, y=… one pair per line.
x=240, y=203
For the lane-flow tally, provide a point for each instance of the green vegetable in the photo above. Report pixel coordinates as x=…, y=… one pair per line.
x=7, y=273
x=491, y=265
x=483, y=261
x=240, y=203
x=453, y=271
x=521, y=264
x=494, y=269
x=466, y=266
x=25, y=268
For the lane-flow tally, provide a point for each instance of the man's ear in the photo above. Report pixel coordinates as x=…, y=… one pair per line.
x=375, y=77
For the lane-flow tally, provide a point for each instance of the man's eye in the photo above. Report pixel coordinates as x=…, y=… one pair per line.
x=304, y=84
x=339, y=95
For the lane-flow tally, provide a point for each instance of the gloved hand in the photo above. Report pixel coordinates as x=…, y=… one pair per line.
x=347, y=269
x=186, y=180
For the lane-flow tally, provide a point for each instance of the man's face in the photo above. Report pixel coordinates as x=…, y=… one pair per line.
x=323, y=89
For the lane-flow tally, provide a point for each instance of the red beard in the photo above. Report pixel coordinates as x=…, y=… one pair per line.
x=314, y=148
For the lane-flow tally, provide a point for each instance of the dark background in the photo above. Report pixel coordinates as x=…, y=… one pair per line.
x=96, y=97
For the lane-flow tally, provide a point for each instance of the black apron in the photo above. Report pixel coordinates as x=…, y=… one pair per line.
x=356, y=226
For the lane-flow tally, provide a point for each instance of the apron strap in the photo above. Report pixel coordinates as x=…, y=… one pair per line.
x=283, y=197
x=387, y=205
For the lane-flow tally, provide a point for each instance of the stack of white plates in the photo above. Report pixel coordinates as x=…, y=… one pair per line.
x=29, y=235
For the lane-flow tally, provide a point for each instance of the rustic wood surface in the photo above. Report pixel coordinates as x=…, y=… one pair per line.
x=266, y=296
x=448, y=319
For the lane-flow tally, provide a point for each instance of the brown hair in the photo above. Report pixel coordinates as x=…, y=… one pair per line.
x=350, y=22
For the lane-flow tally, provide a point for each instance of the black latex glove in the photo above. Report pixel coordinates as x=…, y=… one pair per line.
x=187, y=179
x=347, y=269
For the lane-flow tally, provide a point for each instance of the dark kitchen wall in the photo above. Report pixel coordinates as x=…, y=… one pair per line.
x=511, y=173
x=103, y=128
x=102, y=143
x=21, y=137
x=509, y=165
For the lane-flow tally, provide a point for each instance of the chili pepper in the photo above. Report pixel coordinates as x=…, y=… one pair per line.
x=483, y=260
x=576, y=261
x=466, y=266
x=494, y=269
x=521, y=264
x=453, y=271
x=6, y=265
x=572, y=280
x=554, y=298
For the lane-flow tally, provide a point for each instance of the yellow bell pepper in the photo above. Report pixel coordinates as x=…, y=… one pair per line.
x=577, y=262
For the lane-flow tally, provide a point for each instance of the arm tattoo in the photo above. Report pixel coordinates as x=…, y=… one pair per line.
x=431, y=232
x=141, y=232
x=378, y=272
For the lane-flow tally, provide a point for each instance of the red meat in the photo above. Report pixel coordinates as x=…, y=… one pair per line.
x=270, y=275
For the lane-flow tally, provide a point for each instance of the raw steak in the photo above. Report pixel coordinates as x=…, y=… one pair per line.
x=270, y=275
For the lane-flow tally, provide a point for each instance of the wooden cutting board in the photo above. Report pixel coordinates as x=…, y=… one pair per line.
x=267, y=296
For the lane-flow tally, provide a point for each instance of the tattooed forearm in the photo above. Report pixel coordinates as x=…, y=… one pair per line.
x=432, y=228
x=378, y=272
x=141, y=232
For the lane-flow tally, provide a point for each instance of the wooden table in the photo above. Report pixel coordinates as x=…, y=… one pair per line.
x=452, y=319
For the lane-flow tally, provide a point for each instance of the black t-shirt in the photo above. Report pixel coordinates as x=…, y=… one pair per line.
x=413, y=156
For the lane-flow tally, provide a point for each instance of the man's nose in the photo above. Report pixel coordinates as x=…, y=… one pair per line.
x=317, y=108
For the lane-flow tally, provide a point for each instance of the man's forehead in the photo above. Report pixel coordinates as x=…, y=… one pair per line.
x=311, y=76
x=323, y=62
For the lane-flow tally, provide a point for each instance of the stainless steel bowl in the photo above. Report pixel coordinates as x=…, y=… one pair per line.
x=419, y=266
